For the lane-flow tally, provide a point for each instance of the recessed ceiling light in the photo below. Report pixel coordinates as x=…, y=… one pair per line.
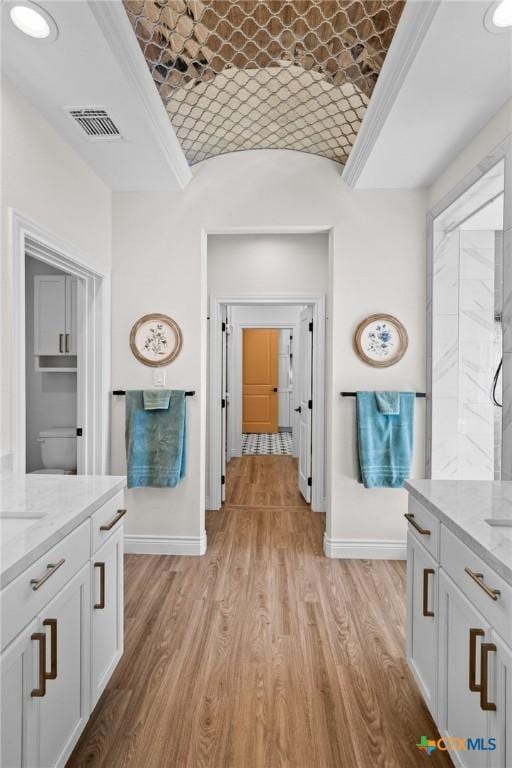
x=499, y=16
x=33, y=20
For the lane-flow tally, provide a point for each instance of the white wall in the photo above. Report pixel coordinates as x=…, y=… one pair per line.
x=377, y=264
x=51, y=397
x=496, y=130
x=44, y=180
x=283, y=263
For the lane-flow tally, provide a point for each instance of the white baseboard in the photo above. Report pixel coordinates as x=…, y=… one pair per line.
x=164, y=545
x=365, y=549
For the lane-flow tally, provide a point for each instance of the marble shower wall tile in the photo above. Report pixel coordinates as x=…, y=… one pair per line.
x=506, y=453
x=446, y=273
x=445, y=437
x=477, y=254
x=445, y=355
x=507, y=291
x=477, y=296
x=476, y=358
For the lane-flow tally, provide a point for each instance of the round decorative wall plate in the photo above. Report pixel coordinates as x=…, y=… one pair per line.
x=156, y=340
x=380, y=340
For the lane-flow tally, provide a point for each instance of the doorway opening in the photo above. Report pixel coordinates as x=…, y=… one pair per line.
x=267, y=366
x=267, y=284
x=58, y=378
x=267, y=400
x=51, y=368
x=467, y=333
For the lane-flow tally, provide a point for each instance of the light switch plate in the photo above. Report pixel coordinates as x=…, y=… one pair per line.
x=159, y=377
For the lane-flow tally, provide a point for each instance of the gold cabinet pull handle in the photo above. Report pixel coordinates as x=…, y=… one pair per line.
x=479, y=578
x=485, y=704
x=52, y=623
x=67, y=342
x=473, y=634
x=426, y=573
x=61, y=339
x=119, y=514
x=50, y=570
x=101, y=567
x=40, y=638
x=410, y=518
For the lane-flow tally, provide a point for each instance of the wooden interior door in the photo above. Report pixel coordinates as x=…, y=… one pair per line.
x=260, y=379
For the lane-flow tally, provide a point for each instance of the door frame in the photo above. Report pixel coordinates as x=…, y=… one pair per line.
x=318, y=305
x=236, y=370
x=92, y=371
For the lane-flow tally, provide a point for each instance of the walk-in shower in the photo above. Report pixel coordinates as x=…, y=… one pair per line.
x=467, y=308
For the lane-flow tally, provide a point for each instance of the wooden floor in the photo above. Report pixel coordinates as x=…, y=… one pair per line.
x=262, y=653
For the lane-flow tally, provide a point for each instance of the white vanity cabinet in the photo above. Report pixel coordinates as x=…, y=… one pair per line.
x=62, y=638
x=55, y=313
x=463, y=632
x=459, y=637
x=18, y=710
x=106, y=612
x=422, y=618
x=63, y=709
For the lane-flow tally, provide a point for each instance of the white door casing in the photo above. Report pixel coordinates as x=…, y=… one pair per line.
x=224, y=401
x=27, y=238
x=214, y=458
x=305, y=401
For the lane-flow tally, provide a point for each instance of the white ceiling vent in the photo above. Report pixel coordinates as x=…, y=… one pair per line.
x=95, y=123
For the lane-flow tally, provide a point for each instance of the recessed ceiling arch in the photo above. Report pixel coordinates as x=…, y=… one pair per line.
x=265, y=75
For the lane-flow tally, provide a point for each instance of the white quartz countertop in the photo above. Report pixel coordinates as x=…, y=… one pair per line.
x=37, y=511
x=464, y=506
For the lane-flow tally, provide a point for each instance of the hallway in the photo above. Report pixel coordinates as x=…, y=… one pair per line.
x=262, y=653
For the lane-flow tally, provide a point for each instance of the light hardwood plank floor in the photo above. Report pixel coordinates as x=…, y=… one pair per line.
x=263, y=653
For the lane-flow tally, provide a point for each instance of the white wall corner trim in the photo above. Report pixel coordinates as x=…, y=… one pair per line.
x=137, y=544
x=116, y=28
x=365, y=549
x=410, y=33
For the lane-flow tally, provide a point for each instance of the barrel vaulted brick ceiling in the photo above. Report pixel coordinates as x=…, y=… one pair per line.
x=265, y=75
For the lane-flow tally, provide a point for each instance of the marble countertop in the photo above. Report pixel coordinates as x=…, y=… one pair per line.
x=464, y=506
x=37, y=511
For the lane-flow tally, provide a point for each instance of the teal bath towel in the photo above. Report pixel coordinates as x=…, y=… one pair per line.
x=155, y=441
x=388, y=402
x=155, y=399
x=385, y=442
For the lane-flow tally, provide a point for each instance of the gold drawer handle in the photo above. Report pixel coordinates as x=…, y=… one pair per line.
x=473, y=634
x=40, y=638
x=479, y=578
x=101, y=567
x=485, y=704
x=410, y=518
x=426, y=573
x=120, y=513
x=51, y=568
x=52, y=623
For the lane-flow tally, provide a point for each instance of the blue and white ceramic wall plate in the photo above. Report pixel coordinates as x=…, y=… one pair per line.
x=380, y=340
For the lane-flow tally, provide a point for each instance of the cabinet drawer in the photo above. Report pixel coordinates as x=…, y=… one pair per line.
x=21, y=602
x=455, y=558
x=424, y=526
x=108, y=518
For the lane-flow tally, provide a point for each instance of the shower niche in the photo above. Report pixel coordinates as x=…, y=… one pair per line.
x=466, y=333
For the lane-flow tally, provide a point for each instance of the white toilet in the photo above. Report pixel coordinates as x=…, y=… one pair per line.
x=58, y=450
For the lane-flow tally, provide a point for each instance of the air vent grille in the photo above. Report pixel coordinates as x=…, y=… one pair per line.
x=95, y=122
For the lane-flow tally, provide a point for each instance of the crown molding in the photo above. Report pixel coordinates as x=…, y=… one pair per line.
x=116, y=28
x=410, y=33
